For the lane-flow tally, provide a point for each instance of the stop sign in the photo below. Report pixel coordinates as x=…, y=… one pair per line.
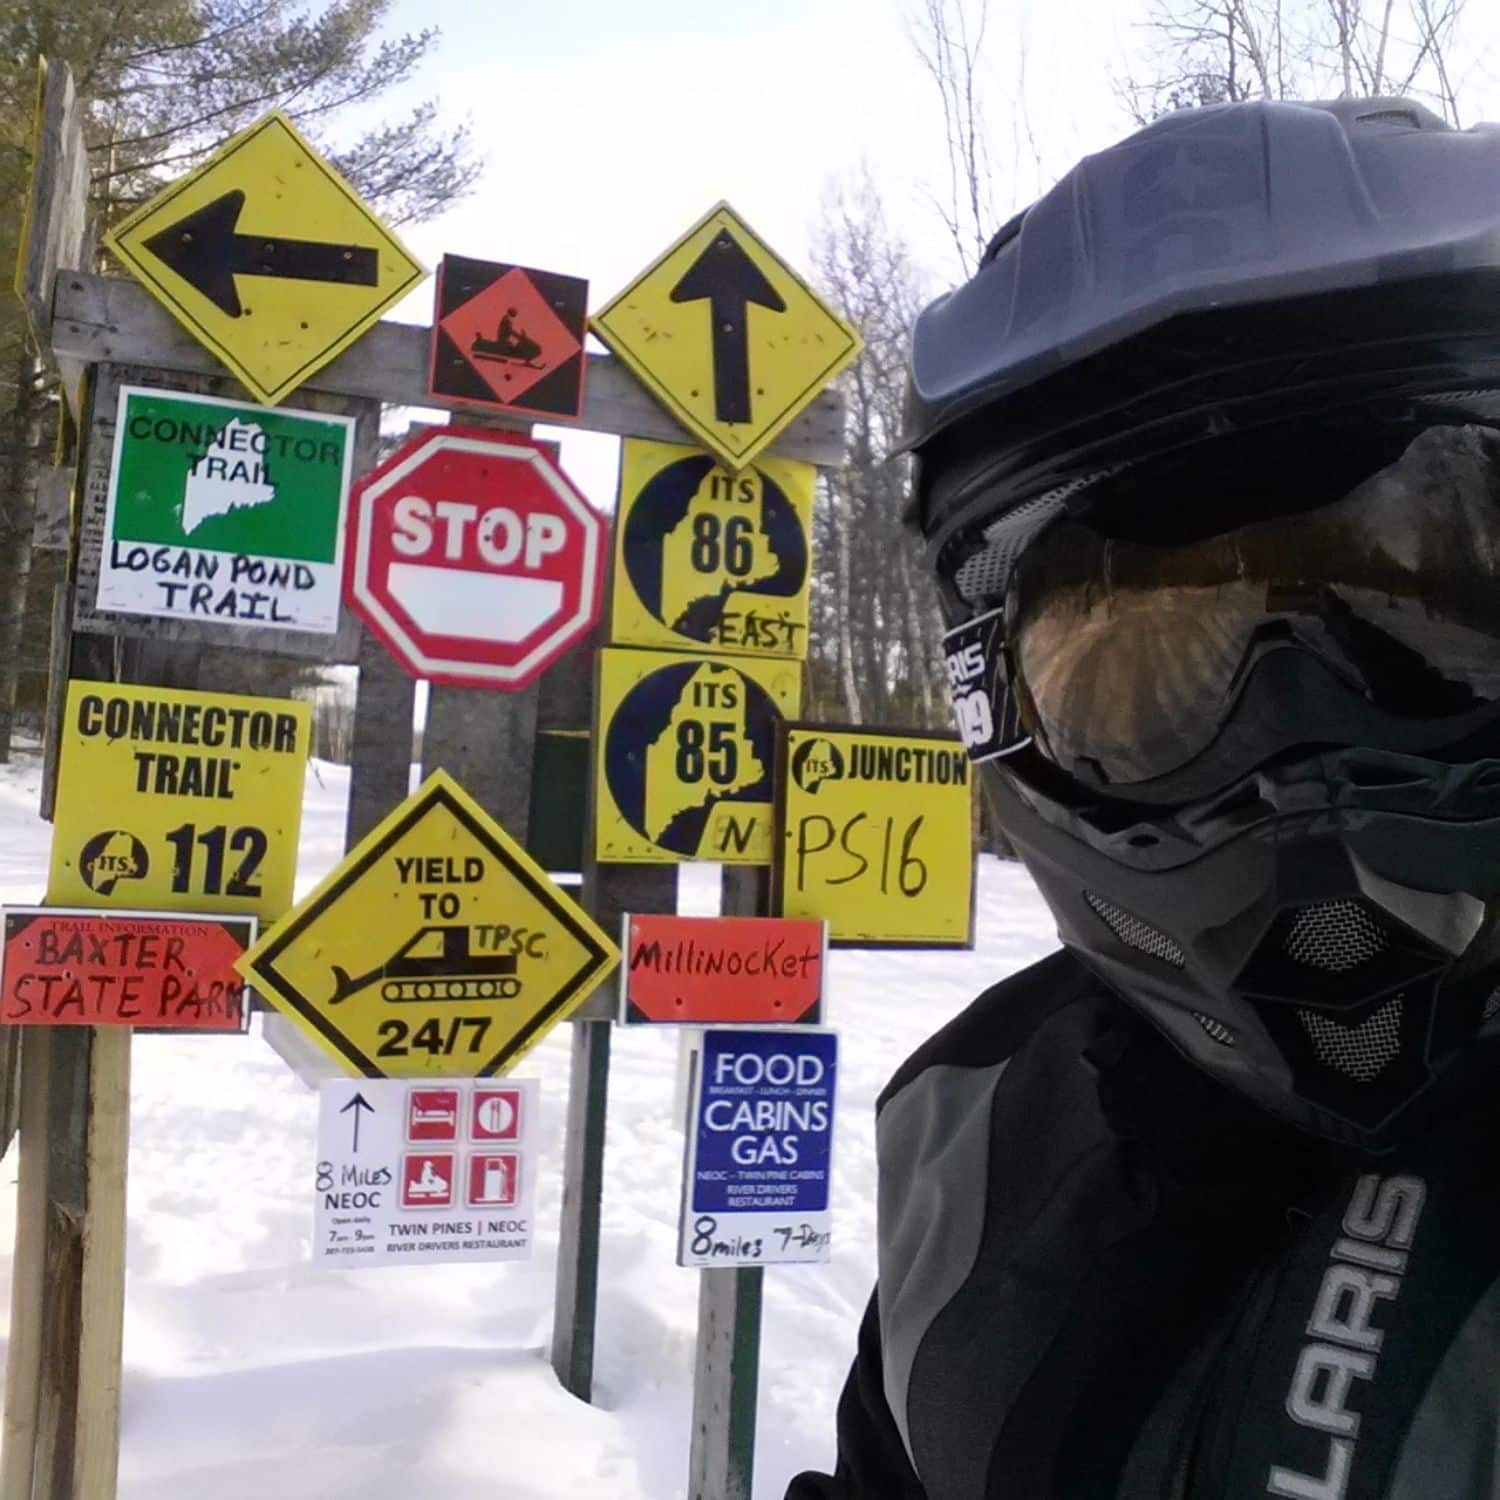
x=473, y=558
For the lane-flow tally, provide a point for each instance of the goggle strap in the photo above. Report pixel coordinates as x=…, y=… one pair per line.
x=985, y=706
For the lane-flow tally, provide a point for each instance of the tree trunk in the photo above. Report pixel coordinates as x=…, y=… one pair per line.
x=842, y=610
x=918, y=663
x=17, y=522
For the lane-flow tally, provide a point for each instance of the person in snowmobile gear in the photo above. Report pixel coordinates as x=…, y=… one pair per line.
x=1206, y=458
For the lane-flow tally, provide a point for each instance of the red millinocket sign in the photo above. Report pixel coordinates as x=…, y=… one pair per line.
x=705, y=971
x=70, y=967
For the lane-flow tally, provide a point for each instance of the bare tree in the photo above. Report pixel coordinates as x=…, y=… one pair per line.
x=161, y=83
x=1220, y=51
x=949, y=37
x=876, y=629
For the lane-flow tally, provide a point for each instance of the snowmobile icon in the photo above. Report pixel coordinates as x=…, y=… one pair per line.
x=435, y=964
x=510, y=344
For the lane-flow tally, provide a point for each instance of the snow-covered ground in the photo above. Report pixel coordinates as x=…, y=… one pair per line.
x=249, y=1375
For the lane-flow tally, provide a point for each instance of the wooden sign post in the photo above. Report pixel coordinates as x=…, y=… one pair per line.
x=726, y=1373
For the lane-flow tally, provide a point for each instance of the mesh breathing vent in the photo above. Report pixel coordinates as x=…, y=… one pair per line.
x=1216, y=1029
x=1135, y=933
x=1491, y=1007
x=1335, y=936
x=986, y=573
x=1360, y=1052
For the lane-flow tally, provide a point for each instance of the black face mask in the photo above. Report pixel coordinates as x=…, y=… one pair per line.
x=1370, y=620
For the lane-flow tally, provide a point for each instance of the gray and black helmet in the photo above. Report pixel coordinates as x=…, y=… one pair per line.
x=1207, y=461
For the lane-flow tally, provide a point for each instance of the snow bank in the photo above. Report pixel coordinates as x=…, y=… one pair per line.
x=248, y=1374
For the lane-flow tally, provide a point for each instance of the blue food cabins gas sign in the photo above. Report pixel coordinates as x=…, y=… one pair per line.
x=759, y=1149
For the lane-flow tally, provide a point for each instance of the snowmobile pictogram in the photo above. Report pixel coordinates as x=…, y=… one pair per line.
x=510, y=345
x=450, y=973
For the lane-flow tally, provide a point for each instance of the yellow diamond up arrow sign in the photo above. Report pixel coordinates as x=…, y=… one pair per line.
x=267, y=257
x=727, y=336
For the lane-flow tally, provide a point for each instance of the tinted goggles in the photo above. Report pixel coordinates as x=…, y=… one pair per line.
x=1126, y=660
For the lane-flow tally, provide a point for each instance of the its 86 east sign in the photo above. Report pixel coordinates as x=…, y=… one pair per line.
x=474, y=558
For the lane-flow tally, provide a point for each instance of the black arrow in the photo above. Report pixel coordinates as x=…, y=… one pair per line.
x=357, y=1103
x=731, y=281
x=208, y=252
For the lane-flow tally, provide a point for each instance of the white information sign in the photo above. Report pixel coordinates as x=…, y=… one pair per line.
x=421, y=1172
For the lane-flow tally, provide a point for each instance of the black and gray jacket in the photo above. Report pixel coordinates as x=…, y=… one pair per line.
x=1104, y=1277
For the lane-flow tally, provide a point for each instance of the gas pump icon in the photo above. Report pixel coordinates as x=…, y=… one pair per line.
x=494, y=1179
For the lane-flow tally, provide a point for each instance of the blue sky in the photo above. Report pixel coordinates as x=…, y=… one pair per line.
x=608, y=128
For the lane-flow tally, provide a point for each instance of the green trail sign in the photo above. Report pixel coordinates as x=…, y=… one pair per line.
x=225, y=512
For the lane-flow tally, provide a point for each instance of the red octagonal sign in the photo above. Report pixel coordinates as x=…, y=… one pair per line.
x=474, y=558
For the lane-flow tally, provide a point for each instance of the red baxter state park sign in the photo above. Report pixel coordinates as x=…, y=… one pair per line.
x=67, y=967
x=704, y=971
x=473, y=557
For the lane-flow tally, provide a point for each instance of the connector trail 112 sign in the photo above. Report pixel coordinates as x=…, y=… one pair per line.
x=178, y=801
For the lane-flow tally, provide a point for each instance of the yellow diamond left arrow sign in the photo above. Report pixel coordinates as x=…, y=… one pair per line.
x=267, y=257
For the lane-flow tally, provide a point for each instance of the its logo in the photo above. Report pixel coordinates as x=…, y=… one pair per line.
x=111, y=857
x=815, y=762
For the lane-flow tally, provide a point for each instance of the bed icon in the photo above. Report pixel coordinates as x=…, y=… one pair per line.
x=432, y=1115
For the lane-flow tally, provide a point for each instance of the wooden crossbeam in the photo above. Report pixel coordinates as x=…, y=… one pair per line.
x=105, y=319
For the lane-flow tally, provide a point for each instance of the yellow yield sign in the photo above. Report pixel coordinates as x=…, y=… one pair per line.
x=437, y=948
x=267, y=257
x=727, y=336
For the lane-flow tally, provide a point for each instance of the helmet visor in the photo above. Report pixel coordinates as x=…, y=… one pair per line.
x=1128, y=657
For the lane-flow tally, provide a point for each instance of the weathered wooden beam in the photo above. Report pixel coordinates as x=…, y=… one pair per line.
x=73, y=1341
x=577, y=1291
x=381, y=755
x=608, y=892
x=485, y=739
x=108, y=319
x=54, y=492
x=56, y=213
x=744, y=890
x=101, y=1337
x=10, y=1085
x=726, y=1376
x=59, y=667
x=23, y=1355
